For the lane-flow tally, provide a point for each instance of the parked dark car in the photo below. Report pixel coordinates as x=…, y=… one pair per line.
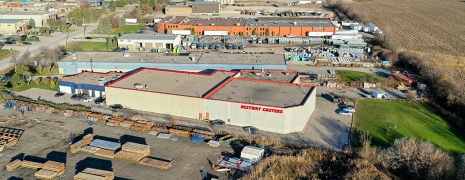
x=234, y=46
x=34, y=37
x=100, y=100
x=9, y=42
x=217, y=122
x=228, y=46
x=250, y=129
x=88, y=37
x=23, y=36
x=241, y=47
x=27, y=43
x=78, y=97
x=212, y=46
x=59, y=94
x=116, y=106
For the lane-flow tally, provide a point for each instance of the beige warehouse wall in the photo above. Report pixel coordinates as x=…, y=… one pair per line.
x=152, y=102
x=297, y=117
x=266, y=121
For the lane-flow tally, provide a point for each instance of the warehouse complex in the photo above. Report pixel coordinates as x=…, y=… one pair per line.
x=261, y=26
x=265, y=99
x=124, y=62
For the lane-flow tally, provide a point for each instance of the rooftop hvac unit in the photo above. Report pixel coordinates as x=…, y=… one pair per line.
x=138, y=86
x=114, y=78
x=118, y=76
x=146, y=86
x=212, y=24
x=193, y=58
x=102, y=78
x=126, y=55
x=102, y=83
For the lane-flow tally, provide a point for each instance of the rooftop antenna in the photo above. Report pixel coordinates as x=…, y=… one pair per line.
x=251, y=101
x=91, y=65
x=198, y=94
x=245, y=99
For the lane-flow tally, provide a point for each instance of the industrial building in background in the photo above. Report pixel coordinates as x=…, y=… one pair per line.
x=40, y=18
x=13, y=25
x=261, y=26
x=270, y=100
x=124, y=62
x=146, y=42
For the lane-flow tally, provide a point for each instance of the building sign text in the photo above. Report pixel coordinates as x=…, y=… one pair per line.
x=256, y=108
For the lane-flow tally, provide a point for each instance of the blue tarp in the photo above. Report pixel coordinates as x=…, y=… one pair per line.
x=105, y=144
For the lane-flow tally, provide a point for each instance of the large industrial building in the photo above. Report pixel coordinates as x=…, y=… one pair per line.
x=124, y=62
x=269, y=100
x=261, y=26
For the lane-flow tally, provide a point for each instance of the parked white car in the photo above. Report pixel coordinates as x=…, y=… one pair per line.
x=88, y=99
x=75, y=39
x=349, y=109
x=345, y=113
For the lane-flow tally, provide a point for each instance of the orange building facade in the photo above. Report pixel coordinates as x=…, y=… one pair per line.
x=272, y=26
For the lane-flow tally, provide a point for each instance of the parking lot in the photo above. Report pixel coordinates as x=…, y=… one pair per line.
x=36, y=94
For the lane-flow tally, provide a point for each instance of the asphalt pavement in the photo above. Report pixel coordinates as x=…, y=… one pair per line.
x=55, y=39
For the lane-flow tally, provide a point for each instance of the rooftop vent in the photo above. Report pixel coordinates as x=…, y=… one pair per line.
x=102, y=83
x=212, y=24
x=138, y=86
x=102, y=78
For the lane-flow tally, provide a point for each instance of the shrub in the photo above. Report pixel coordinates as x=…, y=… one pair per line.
x=46, y=80
x=55, y=79
x=52, y=84
x=37, y=81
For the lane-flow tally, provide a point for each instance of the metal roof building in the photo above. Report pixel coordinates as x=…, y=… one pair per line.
x=120, y=61
x=256, y=99
x=149, y=41
x=90, y=83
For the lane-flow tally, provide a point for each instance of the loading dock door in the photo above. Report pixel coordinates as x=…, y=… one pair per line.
x=148, y=46
x=159, y=45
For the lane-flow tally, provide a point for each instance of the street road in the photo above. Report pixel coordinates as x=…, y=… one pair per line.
x=55, y=39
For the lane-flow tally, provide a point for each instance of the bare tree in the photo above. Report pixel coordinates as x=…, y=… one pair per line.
x=14, y=59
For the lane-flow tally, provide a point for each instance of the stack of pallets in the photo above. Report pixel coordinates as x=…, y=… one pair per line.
x=13, y=165
x=141, y=126
x=152, y=162
x=9, y=139
x=90, y=149
x=129, y=156
x=105, y=153
x=136, y=148
x=115, y=121
x=76, y=147
x=108, y=175
x=46, y=175
x=127, y=123
x=31, y=164
x=50, y=170
x=54, y=166
x=177, y=132
x=88, y=138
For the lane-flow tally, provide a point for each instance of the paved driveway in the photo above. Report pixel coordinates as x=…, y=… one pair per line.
x=35, y=93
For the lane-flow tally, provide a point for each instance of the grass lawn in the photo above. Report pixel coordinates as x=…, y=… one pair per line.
x=390, y=120
x=32, y=84
x=6, y=53
x=349, y=76
x=128, y=29
x=87, y=46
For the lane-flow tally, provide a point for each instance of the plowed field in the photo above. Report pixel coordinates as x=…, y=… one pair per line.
x=421, y=25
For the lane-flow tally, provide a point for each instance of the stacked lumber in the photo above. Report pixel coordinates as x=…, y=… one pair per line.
x=107, y=174
x=76, y=113
x=129, y=156
x=136, y=148
x=208, y=133
x=90, y=149
x=57, y=167
x=96, y=116
x=115, y=121
x=158, y=128
x=31, y=164
x=105, y=153
x=152, y=162
x=77, y=146
x=182, y=128
x=126, y=123
x=181, y=133
x=88, y=138
x=85, y=176
x=13, y=165
x=46, y=175
x=142, y=127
